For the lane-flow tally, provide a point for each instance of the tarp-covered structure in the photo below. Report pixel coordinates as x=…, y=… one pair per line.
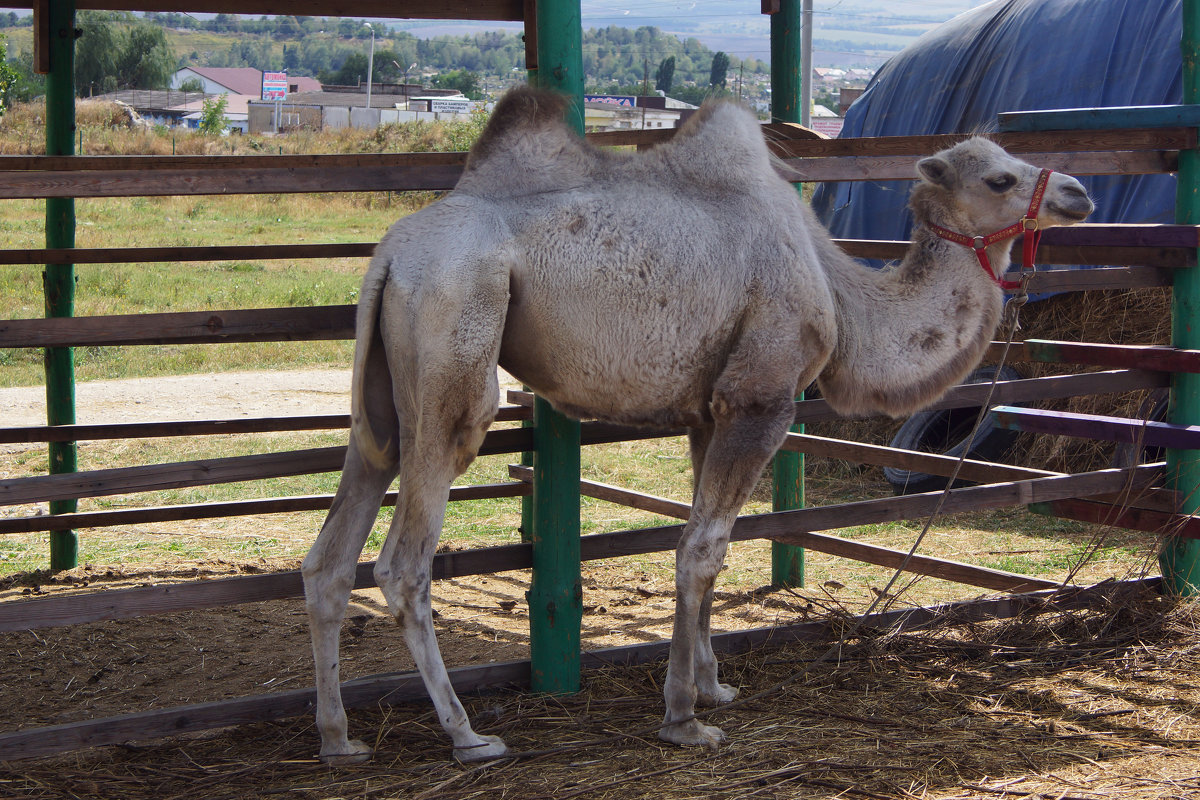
x=1016, y=55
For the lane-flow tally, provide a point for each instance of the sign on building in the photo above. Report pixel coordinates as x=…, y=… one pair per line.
x=623, y=100
x=457, y=105
x=274, y=85
x=830, y=126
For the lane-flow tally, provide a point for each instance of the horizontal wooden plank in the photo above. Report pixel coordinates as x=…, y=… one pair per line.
x=1120, y=516
x=499, y=10
x=1114, y=277
x=209, y=472
x=308, y=323
x=1122, y=235
x=1022, y=391
x=1098, y=427
x=616, y=494
x=143, y=255
x=237, y=508
x=212, y=427
x=833, y=545
x=187, y=182
x=789, y=526
x=221, y=163
x=396, y=687
x=932, y=463
x=1023, y=143
x=1100, y=119
x=1136, y=356
x=897, y=168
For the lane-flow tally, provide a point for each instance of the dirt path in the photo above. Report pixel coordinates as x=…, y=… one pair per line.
x=229, y=395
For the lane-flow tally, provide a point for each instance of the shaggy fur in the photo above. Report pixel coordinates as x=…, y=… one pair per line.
x=684, y=286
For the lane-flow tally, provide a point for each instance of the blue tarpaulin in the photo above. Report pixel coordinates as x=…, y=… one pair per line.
x=1016, y=55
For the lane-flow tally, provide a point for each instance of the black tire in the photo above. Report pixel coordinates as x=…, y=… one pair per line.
x=946, y=432
x=1128, y=455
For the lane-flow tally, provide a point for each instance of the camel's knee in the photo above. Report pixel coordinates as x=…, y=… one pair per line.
x=407, y=593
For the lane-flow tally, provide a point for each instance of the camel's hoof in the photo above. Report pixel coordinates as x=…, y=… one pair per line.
x=357, y=753
x=492, y=747
x=724, y=694
x=692, y=733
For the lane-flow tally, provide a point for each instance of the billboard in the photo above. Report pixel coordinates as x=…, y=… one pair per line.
x=274, y=85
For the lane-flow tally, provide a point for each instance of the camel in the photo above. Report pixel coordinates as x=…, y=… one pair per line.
x=684, y=286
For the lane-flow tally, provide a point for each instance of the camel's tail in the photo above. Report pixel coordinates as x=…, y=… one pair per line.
x=374, y=449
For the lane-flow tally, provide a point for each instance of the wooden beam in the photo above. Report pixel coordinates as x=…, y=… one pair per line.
x=1091, y=119
x=497, y=10
x=791, y=527
x=395, y=687
x=209, y=427
x=1098, y=427
x=847, y=548
x=209, y=472
x=1135, y=356
x=41, y=36
x=142, y=255
x=237, y=508
x=185, y=327
x=898, y=168
x=1120, y=516
x=1022, y=143
x=213, y=181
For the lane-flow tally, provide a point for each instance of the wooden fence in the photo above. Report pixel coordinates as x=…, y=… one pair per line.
x=1137, y=255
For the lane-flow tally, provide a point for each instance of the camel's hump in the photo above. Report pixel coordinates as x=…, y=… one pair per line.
x=527, y=147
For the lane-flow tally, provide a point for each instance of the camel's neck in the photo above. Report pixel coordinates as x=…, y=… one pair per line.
x=908, y=333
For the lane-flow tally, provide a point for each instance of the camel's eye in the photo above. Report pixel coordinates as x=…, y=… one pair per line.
x=1001, y=183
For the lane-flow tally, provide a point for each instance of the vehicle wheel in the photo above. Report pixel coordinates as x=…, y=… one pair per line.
x=1129, y=455
x=946, y=432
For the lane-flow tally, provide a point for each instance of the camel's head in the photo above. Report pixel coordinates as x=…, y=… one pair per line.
x=976, y=187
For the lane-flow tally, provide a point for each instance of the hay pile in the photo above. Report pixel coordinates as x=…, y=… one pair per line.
x=1092, y=704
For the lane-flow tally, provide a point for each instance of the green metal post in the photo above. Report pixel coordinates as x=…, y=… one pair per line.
x=556, y=588
x=59, y=279
x=1180, y=559
x=787, y=561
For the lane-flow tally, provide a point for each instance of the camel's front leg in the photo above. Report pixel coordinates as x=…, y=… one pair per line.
x=709, y=690
x=739, y=446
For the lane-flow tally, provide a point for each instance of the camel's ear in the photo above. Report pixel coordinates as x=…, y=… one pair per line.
x=936, y=170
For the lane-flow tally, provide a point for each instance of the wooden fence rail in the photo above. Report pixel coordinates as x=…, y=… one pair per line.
x=792, y=527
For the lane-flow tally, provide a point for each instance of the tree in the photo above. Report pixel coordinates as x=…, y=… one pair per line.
x=461, y=80
x=122, y=52
x=146, y=59
x=353, y=70
x=720, y=67
x=9, y=77
x=212, y=114
x=95, y=52
x=192, y=85
x=665, y=75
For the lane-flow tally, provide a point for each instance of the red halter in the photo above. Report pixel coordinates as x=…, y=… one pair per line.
x=1027, y=224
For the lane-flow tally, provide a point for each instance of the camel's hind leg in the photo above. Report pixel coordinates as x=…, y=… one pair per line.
x=448, y=400
x=330, y=565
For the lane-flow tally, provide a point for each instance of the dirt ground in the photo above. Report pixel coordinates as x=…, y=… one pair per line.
x=1103, y=704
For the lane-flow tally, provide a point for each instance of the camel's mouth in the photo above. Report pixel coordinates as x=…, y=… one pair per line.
x=1071, y=213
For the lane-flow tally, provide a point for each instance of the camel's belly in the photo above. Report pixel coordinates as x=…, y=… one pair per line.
x=631, y=375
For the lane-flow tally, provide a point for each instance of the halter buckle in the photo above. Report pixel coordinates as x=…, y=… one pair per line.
x=1029, y=224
